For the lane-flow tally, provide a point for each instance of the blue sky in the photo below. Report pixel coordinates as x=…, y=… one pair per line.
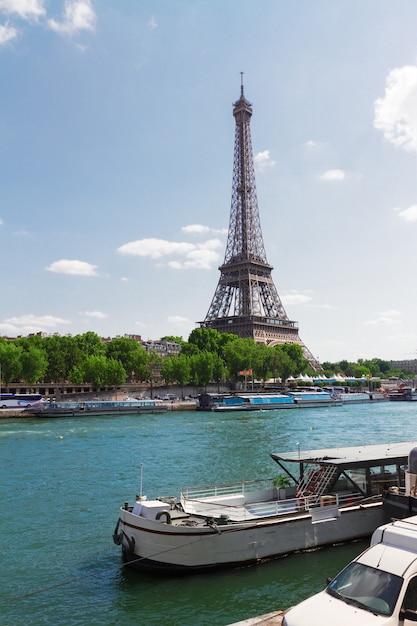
x=116, y=155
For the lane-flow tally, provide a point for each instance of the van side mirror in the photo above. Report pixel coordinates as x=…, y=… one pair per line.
x=408, y=614
x=328, y=580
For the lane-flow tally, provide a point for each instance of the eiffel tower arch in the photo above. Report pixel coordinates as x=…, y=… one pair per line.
x=246, y=302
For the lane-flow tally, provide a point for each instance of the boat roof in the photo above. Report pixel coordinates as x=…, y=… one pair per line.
x=353, y=456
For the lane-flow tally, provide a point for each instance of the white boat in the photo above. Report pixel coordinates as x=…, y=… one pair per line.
x=91, y=408
x=360, y=396
x=254, y=402
x=335, y=497
x=312, y=398
x=264, y=401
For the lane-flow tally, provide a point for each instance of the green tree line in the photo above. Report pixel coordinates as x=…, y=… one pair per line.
x=207, y=356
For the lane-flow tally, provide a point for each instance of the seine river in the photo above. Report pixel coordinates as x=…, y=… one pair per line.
x=63, y=480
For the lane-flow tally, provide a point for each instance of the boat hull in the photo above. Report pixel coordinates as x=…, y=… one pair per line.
x=157, y=545
x=92, y=408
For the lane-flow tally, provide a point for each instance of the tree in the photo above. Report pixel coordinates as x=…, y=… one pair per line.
x=132, y=355
x=34, y=364
x=203, y=367
x=174, y=339
x=263, y=361
x=206, y=339
x=10, y=361
x=167, y=370
x=283, y=363
x=89, y=344
x=63, y=354
x=219, y=369
x=154, y=365
x=95, y=370
x=239, y=355
x=181, y=370
x=101, y=371
x=295, y=352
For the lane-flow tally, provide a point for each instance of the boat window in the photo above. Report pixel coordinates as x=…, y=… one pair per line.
x=366, y=587
x=358, y=476
x=383, y=477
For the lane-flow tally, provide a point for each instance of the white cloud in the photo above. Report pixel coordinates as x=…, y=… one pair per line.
x=197, y=256
x=196, y=259
x=178, y=320
x=7, y=33
x=95, y=314
x=396, y=112
x=386, y=318
x=155, y=248
x=124, y=279
x=263, y=160
x=26, y=9
x=409, y=215
x=201, y=229
x=26, y=324
x=152, y=23
x=295, y=298
x=311, y=144
x=332, y=175
x=73, y=268
x=1, y=222
x=195, y=228
x=78, y=15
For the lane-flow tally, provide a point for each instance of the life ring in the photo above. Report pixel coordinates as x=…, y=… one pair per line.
x=167, y=515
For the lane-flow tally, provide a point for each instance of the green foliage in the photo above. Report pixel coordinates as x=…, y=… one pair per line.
x=180, y=369
x=10, y=361
x=174, y=339
x=281, y=480
x=90, y=344
x=34, y=364
x=131, y=355
x=208, y=356
x=101, y=371
x=63, y=354
x=378, y=368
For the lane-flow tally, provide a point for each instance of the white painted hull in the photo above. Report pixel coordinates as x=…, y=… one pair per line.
x=155, y=544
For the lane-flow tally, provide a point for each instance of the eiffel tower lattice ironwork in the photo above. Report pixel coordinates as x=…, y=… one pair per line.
x=246, y=302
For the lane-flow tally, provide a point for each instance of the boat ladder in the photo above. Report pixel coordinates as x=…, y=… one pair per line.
x=316, y=481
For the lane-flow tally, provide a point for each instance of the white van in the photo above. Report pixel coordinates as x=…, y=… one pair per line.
x=378, y=588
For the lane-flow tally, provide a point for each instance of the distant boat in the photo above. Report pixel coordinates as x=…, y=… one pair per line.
x=253, y=403
x=310, y=399
x=360, y=396
x=336, y=495
x=264, y=402
x=97, y=407
x=403, y=394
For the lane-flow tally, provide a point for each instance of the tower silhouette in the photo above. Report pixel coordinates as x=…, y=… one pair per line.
x=246, y=302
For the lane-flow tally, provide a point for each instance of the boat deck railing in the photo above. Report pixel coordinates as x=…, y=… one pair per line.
x=254, y=499
x=243, y=488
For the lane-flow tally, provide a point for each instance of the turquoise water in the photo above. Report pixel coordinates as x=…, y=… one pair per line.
x=63, y=481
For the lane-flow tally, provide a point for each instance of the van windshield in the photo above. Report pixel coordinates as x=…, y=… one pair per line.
x=369, y=588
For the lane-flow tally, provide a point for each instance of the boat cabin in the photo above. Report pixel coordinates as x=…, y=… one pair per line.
x=368, y=470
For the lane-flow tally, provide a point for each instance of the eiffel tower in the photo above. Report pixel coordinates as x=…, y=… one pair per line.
x=246, y=302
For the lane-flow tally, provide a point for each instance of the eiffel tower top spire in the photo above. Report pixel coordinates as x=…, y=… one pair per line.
x=246, y=301
x=244, y=241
